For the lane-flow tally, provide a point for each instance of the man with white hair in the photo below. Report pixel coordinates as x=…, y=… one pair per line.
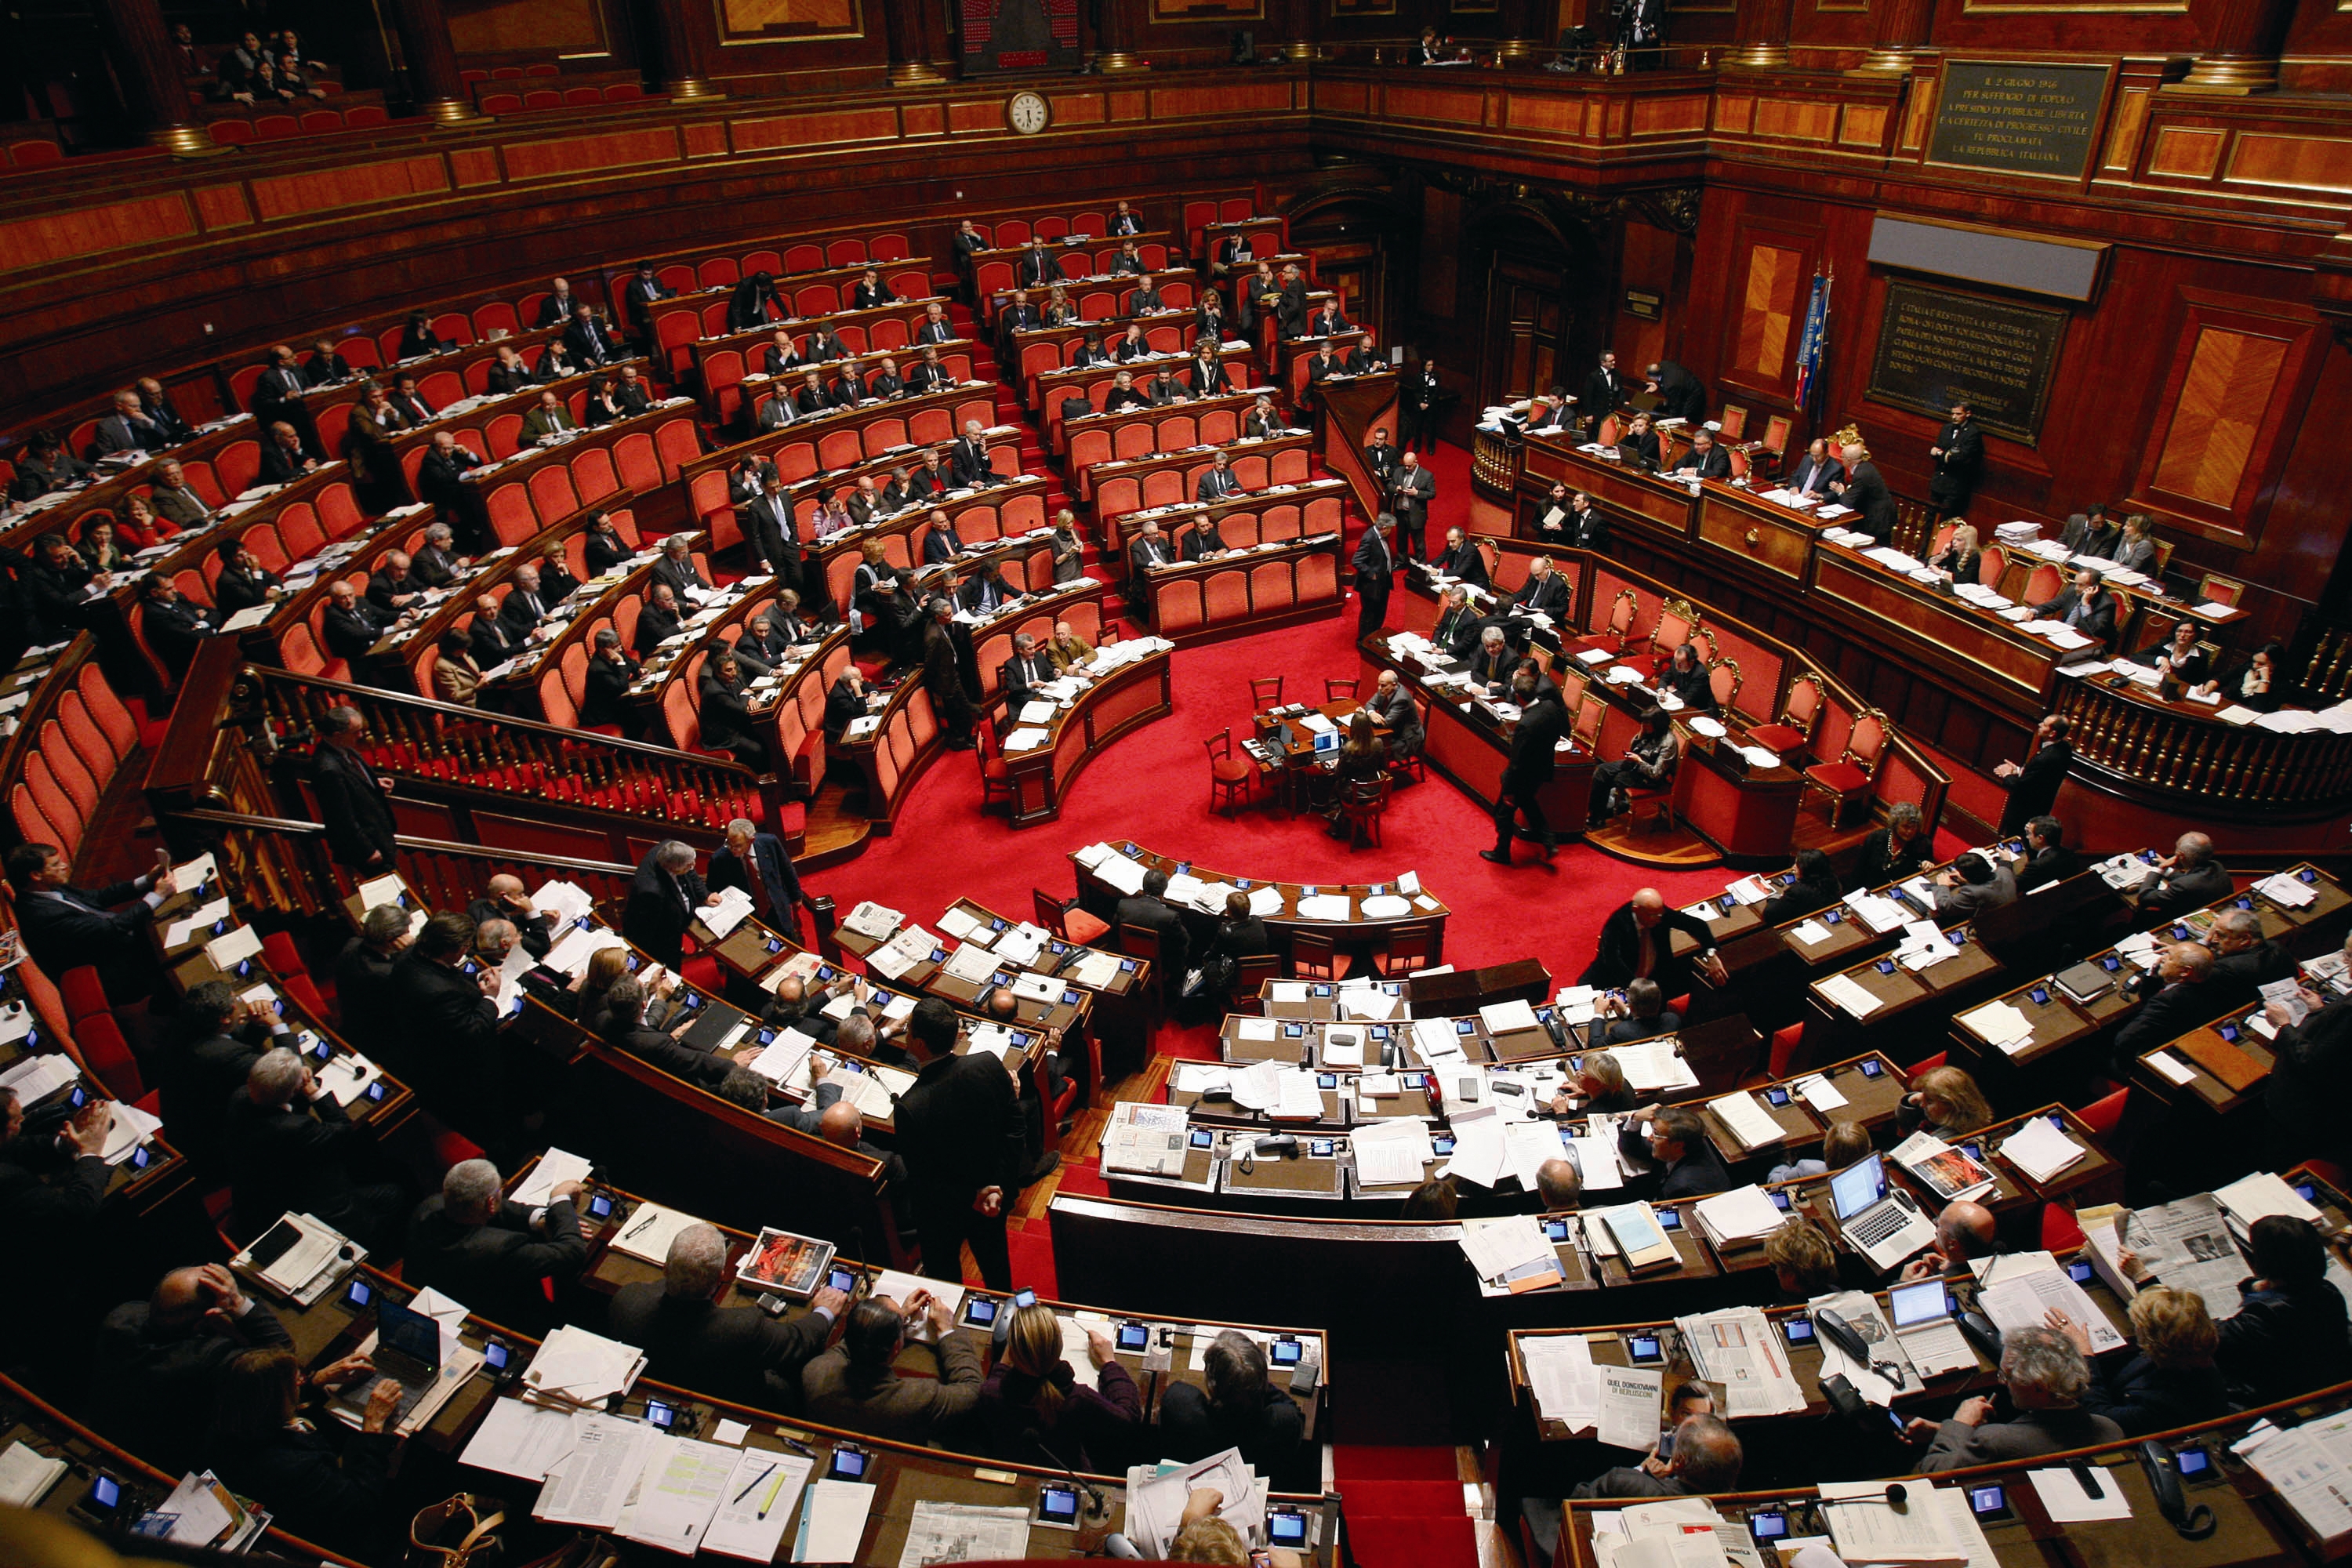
x=288, y=1145
x=1864, y=491
x=2188, y=879
x=2046, y=1376
x=968, y=462
x=731, y=1353
x=663, y=898
x=492, y=1254
x=757, y=863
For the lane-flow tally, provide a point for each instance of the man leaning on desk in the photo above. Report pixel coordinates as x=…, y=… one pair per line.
x=856, y=1385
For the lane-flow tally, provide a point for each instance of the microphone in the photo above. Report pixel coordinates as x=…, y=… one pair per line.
x=1095, y=1507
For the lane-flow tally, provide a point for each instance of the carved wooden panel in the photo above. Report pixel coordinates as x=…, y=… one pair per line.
x=2304, y=162
x=1800, y=119
x=583, y=155
x=1766, y=331
x=2225, y=394
x=117, y=226
x=2185, y=152
x=355, y=184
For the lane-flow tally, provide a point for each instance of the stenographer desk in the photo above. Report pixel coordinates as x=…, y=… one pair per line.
x=1358, y=934
x=1417, y=996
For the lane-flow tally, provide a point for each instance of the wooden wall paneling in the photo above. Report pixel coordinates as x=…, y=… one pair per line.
x=2026, y=29
x=2237, y=389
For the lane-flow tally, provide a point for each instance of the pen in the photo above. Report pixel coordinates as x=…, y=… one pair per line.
x=770, y=1500
x=755, y=1481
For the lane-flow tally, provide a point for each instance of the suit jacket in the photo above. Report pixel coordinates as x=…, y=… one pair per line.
x=1969, y=900
x=439, y=477
x=233, y=591
x=2051, y=865
x=659, y=909
x=322, y=370
x=842, y=707
x=1403, y=716
x=195, y=1082
x=939, y=332
x=181, y=508
x=1642, y=450
x=1147, y=551
x=734, y=1352
x=491, y=640
x=2098, y=618
x=495, y=1269
x=1548, y=594
x=679, y=574
x=349, y=633
x=640, y=291
x=901, y=1409
x=154, y=1381
x=775, y=869
x=556, y=309
x=968, y=463
x=1458, y=631
x=1604, y=393
x=1218, y=483
x=291, y=1157
x=673, y=1057
x=606, y=700
x=2137, y=555
x=1616, y=956
x=1038, y=266
x=449, y=1043
x=2311, y=1065
x=590, y=340
x=2175, y=893
x=2170, y=1013
x=2033, y=788
x=1715, y=464
x=1696, y=1174
x=1866, y=493
x=351, y=807
x=940, y=545
x=1492, y=668
x=1815, y=478
x=2030, y=1434
x=543, y=422
x=1956, y=470
x=505, y=380
x=726, y=717
x=1410, y=492
x=1534, y=742
x=520, y=612
x=961, y=1129
x=1018, y=676
x=1200, y=540
x=282, y=466
x=1375, y=564
x=1154, y=914
x=174, y=630
x=1796, y=900
x=1323, y=366
x=123, y=433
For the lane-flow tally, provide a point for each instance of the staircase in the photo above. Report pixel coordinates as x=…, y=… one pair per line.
x=1405, y=1507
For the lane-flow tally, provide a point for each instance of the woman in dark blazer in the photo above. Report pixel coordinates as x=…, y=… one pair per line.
x=1032, y=1409
x=2260, y=683
x=1898, y=850
x=1638, y=444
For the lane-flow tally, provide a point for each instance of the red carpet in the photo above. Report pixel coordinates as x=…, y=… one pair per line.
x=1404, y=1506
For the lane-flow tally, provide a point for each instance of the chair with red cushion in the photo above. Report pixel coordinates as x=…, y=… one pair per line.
x=2060, y=1230
x=1793, y=735
x=1849, y=778
x=1067, y=921
x=1230, y=773
x=1612, y=639
x=2104, y=1116
x=1929, y=1064
x=995, y=774
x=278, y=952
x=108, y=1057
x=1788, y=1050
x=84, y=994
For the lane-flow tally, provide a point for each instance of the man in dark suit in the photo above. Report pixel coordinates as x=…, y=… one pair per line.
x=844, y=703
x=1410, y=490
x=556, y=309
x=643, y=289
x=159, y=1362
x=1204, y=540
x=1023, y=673
x=216, y=1037
x=1604, y=393
x=1544, y=589
x=927, y=374
x=352, y=802
x=1392, y=705
x=1492, y=664
x=1375, y=567
x=663, y=898
x=1959, y=456
x=439, y=478
x=848, y=389
x=1148, y=908
x=605, y=698
x=770, y=532
x=2304, y=1093
x=1290, y=306
x=1865, y=491
x=65, y=927
x=524, y=607
x=1542, y=722
x=809, y=398
x=968, y=461
x=1149, y=549
x=1679, y=392
x=936, y=327
x=1972, y=886
x=2033, y=787
x=325, y=366
x=959, y=1129
x=349, y=626
x=2047, y=858
x=1124, y=222
x=551, y=418
x=2188, y=879
x=1458, y=624
x=2086, y=607
x=588, y=338
x=677, y=570
x=1461, y=559
x=2175, y=999
x=128, y=428
x=943, y=673
x=2244, y=960
x=279, y=394
x=1705, y=459
x=625, y=1029
x=174, y=500
x=290, y=1146
x=1670, y=1150
x=1636, y=943
x=941, y=543
x=284, y=457
x=1323, y=364
x=450, y=1046
x=171, y=624
x=1038, y=267
x=1220, y=481
x=1816, y=472
x=494, y=1255
x=757, y=863
x=491, y=637
x=731, y=1353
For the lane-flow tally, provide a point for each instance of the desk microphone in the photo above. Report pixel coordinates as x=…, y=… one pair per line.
x=1095, y=1507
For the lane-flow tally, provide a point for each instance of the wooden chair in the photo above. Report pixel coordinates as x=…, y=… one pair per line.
x=1314, y=955
x=1414, y=766
x=1658, y=800
x=1775, y=435
x=1337, y=687
x=1677, y=622
x=1585, y=730
x=1410, y=946
x=1623, y=612
x=1250, y=976
x=1735, y=423
x=1724, y=678
x=1230, y=773
x=2222, y=590
x=1067, y=921
x=995, y=775
x=1793, y=735
x=1849, y=778
x=1266, y=691
x=1361, y=806
x=1142, y=942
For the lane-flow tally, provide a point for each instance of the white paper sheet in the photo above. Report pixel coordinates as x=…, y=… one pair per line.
x=756, y=1503
x=833, y=1521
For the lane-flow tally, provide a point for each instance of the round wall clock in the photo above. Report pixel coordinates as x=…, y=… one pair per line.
x=1028, y=112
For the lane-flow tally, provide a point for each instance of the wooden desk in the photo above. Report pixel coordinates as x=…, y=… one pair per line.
x=1130, y=696
x=1249, y=588
x=1170, y=476
x=1254, y=515
x=1094, y=382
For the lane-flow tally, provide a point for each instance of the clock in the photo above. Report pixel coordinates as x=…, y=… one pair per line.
x=1028, y=112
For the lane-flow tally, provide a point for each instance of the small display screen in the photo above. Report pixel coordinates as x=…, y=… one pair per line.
x=105, y=1492
x=1321, y=1148
x=2193, y=1461
x=1768, y=1526
x=376, y=1091
x=358, y=1294
x=1555, y=1230
x=599, y=1206
x=979, y=1312
x=847, y=1465
x=659, y=1415
x=841, y=1280
x=1134, y=1336
x=1288, y=1353
x=1286, y=1527
x=1776, y=1097
x=1024, y=1298
x=496, y=1355
x=1670, y=1219
x=1988, y=1503
x=1870, y=1068
x=1644, y=1348
x=1200, y=1137
x=1798, y=1330
x=1057, y=1504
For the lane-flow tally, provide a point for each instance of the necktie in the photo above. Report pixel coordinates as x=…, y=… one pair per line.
x=752, y=874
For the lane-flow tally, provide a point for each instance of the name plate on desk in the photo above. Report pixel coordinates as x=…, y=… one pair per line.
x=1938, y=346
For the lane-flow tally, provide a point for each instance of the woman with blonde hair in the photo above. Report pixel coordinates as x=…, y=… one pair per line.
x=1033, y=1402
x=1600, y=1084
x=2172, y=1380
x=1960, y=552
x=1945, y=1102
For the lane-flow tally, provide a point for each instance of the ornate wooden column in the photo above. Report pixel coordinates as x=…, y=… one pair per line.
x=1519, y=41
x=918, y=42
x=1299, y=28
x=149, y=74
x=689, y=38
x=2241, y=47
x=1759, y=35
x=1899, y=32
x=1115, y=35
x=432, y=60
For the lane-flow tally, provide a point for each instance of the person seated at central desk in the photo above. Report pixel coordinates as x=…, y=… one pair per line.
x=1123, y=395
x=1649, y=763
x=1668, y=1147
x=1639, y=1015
x=1705, y=459
x=2257, y=683
x=1813, y=887
x=1960, y=554
x=492, y=1254
x=856, y=1385
x=729, y=1353
x=1362, y=758
x=1239, y=1408
x=624, y=1030
x=1689, y=683
x=2171, y=1381
x=1034, y=1410
x=1202, y=540
x=2046, y=1378
x=1638, y=447
x=1972, y=886
x=1459, y=627
x=2047, y=858
x=1896, y=851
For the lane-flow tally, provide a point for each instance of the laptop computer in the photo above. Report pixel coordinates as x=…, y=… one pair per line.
x=407, y=1351
x=1885, y=1228
x=1326, y=741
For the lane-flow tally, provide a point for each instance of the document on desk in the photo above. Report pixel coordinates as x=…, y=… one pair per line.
x=1369, y=1002
x=1505, y=1246
x=2254, y=1197
x=522, y=1440
x=1748, y=1121
x=2310, y=1467
x=1866, y=1528
x=1597, y=1159
x=2068, y=1502
x=1742, y=1351
x=1156, y=1496
x=2040, y=1150
x=678, y=1493
x=1435, y=1041
x=1562, y=1379
x=178, y=932
x=2000, y=1025
x=972, y=963
x=1336, y=909
x=1629, y=1406
x=1652, y=1065
x=384, y=889
x=756, y=1502
x=2024, y=1299
x=1021, y=945
x=964, y=1532
x=591, y=1484
x=1392, y=1153
x=1859, y=1308
x=833, y=1521
x=733, y=907
x=1124, y=875
x=1508, y=1017
x=1741, y=1214
x=1295, y=1097
x=557, y=1165
x=1813, y=933
x=1817, y=1092
x=1341, y=1048
x=1199, y=1078
x=2186, y=1244
x=1478, y=1151
x=649, y=1231
x=1256, y=1087
x=901, y=1287
x=1527, y=1144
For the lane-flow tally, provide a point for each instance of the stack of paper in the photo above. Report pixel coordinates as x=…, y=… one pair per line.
x=581, y=1368
x=1145, y=1140
x=1394, y=1153
x=2310, y=1467
x=733, y=907
x=1654, y=1067
x=649, y=1231
x=2000, y=1025
x=1508, y=1017
x=1849, y=995
x=1866, y=1528
x=554, y=1167
x=2287, y=890
x=1743, y=1214
x=2017, y=1292
x=1748, y=1121
x=1562, y=1378
x=25, y=1476
x=2254, y=1198
x=591, y=1485
x=1741, y=1350
x=2040, y=1150
x=874, y=921
x=1950, y=1173
x=1156, y=1496
x=1511, y=1246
